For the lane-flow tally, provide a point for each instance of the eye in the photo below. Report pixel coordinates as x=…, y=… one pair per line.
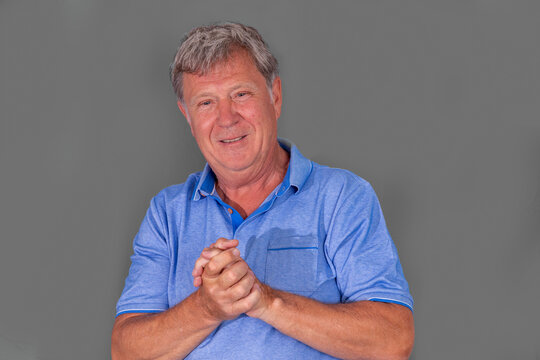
x=205, y=103
x=242, y=94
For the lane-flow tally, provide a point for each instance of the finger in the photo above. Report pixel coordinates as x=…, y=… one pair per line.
x=225, y=244
x=220, y=261
x=197, y=281
x=201, y=262
x=242, y=288
x=210, y=252
x=233, y=273
x=247, y=303
x=221, y=240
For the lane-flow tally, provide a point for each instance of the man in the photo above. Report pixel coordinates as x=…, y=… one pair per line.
x=264, y=254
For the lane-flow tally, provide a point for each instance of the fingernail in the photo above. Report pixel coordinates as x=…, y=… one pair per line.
x=236, y=252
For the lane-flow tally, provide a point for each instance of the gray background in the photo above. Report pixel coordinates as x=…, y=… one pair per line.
x=437, y=104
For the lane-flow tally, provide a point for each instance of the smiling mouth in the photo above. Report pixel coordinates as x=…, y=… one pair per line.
x=228, y=141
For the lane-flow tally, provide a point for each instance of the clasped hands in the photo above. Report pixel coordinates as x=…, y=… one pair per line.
x=227, y=286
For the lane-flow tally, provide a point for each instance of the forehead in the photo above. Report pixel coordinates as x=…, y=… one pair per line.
x=238, y=68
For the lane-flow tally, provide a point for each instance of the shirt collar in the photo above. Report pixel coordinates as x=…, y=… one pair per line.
x=206, y=184
x=299, y=168
x=297, y=173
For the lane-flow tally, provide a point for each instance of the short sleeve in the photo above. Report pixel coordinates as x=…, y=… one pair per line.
x=362, y=252
x=146, y=285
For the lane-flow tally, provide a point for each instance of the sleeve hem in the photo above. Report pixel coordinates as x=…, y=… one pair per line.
x=384, y=296
x=392, y=301
x=140, y=308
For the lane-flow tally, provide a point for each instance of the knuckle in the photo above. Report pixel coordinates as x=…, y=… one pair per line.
x=244, y=291
x=240, y=276
x=243, y=267
x=238, y=292
x=207, y=252
x=230, y=276
x=251, y=281
x=212, y=266
x=230, y=255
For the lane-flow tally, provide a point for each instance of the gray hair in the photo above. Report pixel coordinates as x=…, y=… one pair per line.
x=205, y=46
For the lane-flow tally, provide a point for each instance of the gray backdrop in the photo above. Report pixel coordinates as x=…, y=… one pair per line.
x=435, y=103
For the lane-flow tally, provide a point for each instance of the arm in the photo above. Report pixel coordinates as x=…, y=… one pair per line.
x=227, y=292
x=171, y=334
x=357, y=330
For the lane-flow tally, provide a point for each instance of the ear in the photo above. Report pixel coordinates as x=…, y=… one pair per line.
x=183, y=109
x=276, y=95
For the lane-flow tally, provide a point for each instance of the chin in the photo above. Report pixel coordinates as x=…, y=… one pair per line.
x=236, y=167
x=236, y=163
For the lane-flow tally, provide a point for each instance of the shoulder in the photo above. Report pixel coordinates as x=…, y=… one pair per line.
x=175, y=194
x=338, y=181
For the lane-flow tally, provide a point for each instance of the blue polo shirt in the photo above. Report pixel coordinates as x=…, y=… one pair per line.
x=319, y=234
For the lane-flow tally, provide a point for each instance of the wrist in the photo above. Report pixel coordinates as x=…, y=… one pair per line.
x=271, y=304
x=207, y=316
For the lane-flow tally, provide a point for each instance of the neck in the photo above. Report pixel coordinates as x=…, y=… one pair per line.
x=245, y=192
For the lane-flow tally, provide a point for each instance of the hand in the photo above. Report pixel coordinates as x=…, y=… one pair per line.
x=207, y=254
x=226, y=289
x=266, y=293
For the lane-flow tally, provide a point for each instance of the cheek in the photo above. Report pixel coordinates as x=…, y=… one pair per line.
x=254, y=114
x=201, y=126
x=248, y=113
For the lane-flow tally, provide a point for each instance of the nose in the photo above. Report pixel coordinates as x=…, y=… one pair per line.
x=227, y=116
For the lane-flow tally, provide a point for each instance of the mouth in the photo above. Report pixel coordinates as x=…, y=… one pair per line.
x=228, y=141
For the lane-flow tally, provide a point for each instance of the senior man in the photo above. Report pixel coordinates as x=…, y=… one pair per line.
x=264, y=254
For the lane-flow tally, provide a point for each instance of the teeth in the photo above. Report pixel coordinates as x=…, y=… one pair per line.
x=232, y=140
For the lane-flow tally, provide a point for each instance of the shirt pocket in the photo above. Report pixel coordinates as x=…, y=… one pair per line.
x=291, y=264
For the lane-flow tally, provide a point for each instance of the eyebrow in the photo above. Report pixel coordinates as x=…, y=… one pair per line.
x=247, y=85
x=198, y=97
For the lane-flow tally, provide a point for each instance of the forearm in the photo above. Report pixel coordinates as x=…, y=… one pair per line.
x=172, y=334
x=360, y=330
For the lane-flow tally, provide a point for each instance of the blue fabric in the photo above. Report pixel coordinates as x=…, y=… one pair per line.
x=320, y=234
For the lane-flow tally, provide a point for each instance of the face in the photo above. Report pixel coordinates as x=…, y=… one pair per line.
x=232, y=115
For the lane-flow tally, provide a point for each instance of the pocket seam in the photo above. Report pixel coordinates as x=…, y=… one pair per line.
x=294, y=248
x=283, y=245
